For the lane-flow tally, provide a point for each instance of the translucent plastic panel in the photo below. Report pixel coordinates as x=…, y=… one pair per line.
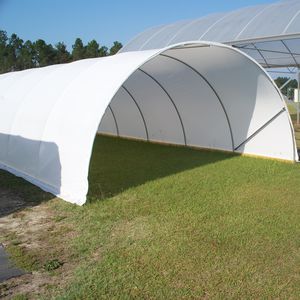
x=294, y=24
x=254, y=54
x=141, y=39
x=273, y=21
x=160, y=115
x=107, y=124
x=192, y=30
x=262, y=21
x=232, y=25
x=161, y=37
x=293, y=45
x=297, y=57
x=283, y=60
x=128, y=116
x=270, y=53
x=275, y=53
x=275, y=46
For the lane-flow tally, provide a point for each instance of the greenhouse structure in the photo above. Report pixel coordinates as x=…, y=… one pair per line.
x=167, y=85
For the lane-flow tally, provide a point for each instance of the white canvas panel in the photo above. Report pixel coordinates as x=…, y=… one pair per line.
x=277, y=130
x=160, y=115
x=127, y=114
x=250, y=102
x=196, y=103
x=14, y=95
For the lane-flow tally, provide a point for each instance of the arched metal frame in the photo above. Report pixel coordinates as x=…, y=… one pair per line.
x=289, y=50
x=139, y=109
x=115, y=120
x=260, y=53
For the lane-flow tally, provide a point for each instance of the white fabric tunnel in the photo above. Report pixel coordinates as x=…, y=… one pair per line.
x=198, y=94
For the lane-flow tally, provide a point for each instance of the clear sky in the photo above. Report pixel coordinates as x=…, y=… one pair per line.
x=103, y=20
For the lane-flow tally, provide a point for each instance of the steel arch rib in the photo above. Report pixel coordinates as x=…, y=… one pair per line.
x=170, y=98
x=269, y=51
x=139, y=109
x=182, y=29
x=260, y=53
x=291, y=22
x=260, y=129
x=214, y=91
x=214, y=24
x=290, y=52
x=115, y=120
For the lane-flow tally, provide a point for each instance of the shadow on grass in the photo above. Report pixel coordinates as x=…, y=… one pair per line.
x=119, y=164
x=27, y=156
x=17, y=194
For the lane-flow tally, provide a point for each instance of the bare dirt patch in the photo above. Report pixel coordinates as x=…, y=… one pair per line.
x=33, y=236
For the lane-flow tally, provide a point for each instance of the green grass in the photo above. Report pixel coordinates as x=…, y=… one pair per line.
x=168, y=222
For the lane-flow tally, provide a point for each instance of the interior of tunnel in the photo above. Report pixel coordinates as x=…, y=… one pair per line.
x=206, y=97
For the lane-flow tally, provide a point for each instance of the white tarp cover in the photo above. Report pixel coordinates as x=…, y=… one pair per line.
x=198, y=94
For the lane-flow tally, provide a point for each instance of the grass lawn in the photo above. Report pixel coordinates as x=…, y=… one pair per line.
x=169, y=223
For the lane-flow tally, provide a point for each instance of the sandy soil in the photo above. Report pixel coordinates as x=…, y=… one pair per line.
x=34, y=229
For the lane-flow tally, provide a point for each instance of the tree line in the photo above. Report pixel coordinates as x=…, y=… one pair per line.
x=16, y=55
x=288, y=90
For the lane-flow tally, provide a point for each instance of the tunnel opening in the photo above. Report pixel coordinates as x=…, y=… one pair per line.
x=201, y=96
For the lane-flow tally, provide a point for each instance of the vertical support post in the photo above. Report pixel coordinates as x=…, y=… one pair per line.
x=298, y=108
